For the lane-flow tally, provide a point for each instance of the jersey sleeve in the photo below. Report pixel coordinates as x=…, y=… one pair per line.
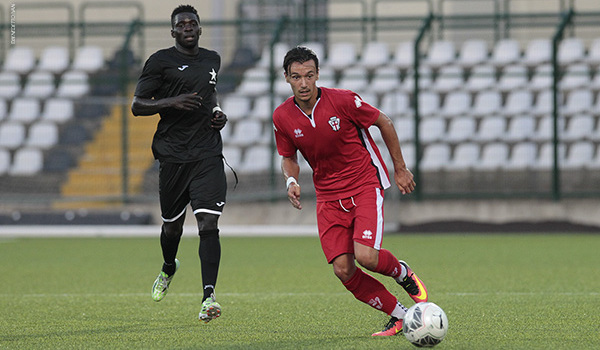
x=285, y=146
x=362, y=114
x=150, y=79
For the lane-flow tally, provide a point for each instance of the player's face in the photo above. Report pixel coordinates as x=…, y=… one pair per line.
x=303, y=77
x=186, y=30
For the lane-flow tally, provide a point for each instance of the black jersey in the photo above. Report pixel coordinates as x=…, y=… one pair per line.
x=183, y=136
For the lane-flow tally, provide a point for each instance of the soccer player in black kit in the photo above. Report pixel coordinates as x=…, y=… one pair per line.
x=179, y=83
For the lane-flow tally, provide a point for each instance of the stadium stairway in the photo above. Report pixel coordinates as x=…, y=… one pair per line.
x=98, y=174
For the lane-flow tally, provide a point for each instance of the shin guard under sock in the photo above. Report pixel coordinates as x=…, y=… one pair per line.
x=169, y=247
x=209, y=252
x=388, y=264
x=370, y=291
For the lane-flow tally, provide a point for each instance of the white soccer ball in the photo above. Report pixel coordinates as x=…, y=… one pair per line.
x=425, y=324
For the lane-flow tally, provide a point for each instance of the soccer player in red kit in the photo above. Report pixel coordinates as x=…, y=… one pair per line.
x=330, y=128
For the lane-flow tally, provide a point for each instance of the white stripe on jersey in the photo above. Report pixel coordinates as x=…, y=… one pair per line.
x=385, y=180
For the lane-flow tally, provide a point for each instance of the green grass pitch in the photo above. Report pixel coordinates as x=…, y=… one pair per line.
x=500, y=291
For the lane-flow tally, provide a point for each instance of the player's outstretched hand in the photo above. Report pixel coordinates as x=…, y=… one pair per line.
x=404, y=180
x=186, y=102
x=219, y=120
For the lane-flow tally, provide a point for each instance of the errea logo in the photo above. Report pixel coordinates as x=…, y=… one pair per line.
x=367, y=234
x=298, y=133
x=357, y=102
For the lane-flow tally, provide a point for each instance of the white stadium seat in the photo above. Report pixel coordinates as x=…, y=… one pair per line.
x=12, y=135
x=455, y=104
x=435, y=157
x=88, y=59
x=316, y=47
x=256, y=159
x=593, y=56
x=449, y=78
x=537, y=52
x=523, y=156
x=520, y=128
x=255, y=82
x=578, y=101
x=487, y=103
x=482, y=77
x=233, y=155
x=58, y=110
x=545, y=129
x=10, y=84
x=493, y=156
x=512, y=77
x=571, y=50
x=542, y=78
x=374, y=54
x=461, y=129
x=405, y=128
x=518, y=102
x=73, y=84
x=354, y=78
x=20, y=59
x=577, y=76
x=473, y=52
x=24, y=110
x=580, y=127
x=429, y=104
x=545, y=159
x=505, y=52
x=441, y=53
x=27, y=161
x=40, y=84
x=5, y=161
x=341, y=55
x=54, y=59
x=580, y=154
x=279, y=51
x=491, y=128
x=432, y=130
x=42, y=135
x=395, y=104
x=466, y=156
x=236, y=106
x=425, y=79
x=385, y=78
x=404, y=55
x=247, y=132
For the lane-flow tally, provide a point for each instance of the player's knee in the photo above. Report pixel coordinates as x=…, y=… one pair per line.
x=344, y=272
x=368, y=261
x=172, y=229
x=207, y=222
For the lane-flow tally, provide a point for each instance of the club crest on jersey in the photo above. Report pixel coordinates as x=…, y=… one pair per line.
x=335, y=123
x=298, y=133
x=213, y=77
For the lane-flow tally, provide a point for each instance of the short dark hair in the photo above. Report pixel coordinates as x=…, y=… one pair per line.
x=299, y=54
x=181, y=9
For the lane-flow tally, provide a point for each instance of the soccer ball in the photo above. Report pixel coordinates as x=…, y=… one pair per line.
x=425, y=324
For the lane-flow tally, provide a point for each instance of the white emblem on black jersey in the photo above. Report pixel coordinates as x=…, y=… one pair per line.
x=213, y=76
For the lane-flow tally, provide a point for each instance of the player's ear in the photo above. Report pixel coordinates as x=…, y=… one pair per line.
x=172, y=33
x=285, y=75
x=199, y=31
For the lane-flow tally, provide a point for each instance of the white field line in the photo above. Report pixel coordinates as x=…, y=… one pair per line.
x=10, y=231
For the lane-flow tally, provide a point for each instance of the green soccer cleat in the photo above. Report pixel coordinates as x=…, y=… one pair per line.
x=161, y=284
x=210, y=309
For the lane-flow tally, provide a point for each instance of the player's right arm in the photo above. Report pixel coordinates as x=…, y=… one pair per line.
x=150, y=106
x=291, y=170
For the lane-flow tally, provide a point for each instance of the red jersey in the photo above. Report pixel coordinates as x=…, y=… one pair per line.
x=335, y=141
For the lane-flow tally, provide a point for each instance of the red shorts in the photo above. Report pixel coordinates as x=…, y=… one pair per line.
x=355, y=219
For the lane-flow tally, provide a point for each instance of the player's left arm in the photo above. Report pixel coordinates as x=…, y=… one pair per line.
x=402, y=175
x=219, y=117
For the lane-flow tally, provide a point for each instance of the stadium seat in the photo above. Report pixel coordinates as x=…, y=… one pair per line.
x=512, y=77
x=385, y=78
x=473, y=52
x=595, y=81
x=262, y=108
x=465, y=157
x=255, y=82
x=542, y=78
x=440, y=53
x=578, y=101
x=425, y=79
x=491, y=128
x=369, y=97
x=520, y=128
x=280, y=49
x=432, y=130
x=58, y=110
x=10, y=84
x=523, y=156
x=449, y=78
x=594, y=164
x=27, y=161
x=54, y=59
x=73, y=84
x=24, y=110
x=19, y=59
x=593, y=56
x=236, y=106
x=408, y=153
x=580, y=153
x=461, y=129
x=571, y=50
x=482, y=77
x=505, y=52
x=494, y=156
x=518, y=102
x=545, y=159
x=543, y=103
x=456, y=103
x=354, y=78
x=247, y=132
x=537, y=52
x=42, y=135
x=341, y=55
x=374, y=54
x=317, y=48
x=579, y=127
x=486, y=103
x=404, y=55
x=395, y=104
x=233, y=156
x=88, y=59
x=256, y=159
x=4, y=161
x=405, y=128
x=326, y=79
x=12, y=135
x=429, y=104
x=435, y=157
x=545, y=129
x=577, y=76
x=40, y=84
x=3, y=109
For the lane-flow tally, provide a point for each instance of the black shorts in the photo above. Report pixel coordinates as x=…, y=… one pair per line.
x=202, y=184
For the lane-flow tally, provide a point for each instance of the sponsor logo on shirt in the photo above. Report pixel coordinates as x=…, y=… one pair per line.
x=298, y=133
x=335, y=123
x=183, y=67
